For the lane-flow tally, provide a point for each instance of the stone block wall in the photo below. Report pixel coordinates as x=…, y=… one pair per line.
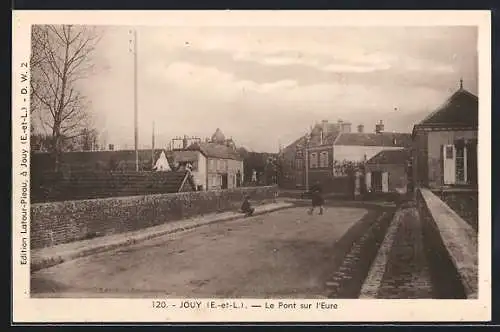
x=62, y=222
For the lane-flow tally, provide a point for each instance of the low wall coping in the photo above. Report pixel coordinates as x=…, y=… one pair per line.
x=128, y=198
x=459, y=238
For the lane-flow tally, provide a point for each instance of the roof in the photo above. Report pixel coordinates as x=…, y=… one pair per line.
x=215, y=150
x=315, y=140
x=390, y=157
x=374, y=139
x=184, y=156
x=459, y=110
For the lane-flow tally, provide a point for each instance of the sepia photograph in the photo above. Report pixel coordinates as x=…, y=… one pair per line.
x=273, y=163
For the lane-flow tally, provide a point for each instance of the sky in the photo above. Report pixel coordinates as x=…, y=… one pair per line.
x=265, y=86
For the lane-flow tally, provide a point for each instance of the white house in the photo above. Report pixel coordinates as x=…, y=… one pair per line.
x=360, y=146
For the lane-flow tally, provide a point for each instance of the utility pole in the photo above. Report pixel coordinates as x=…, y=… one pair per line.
x=136, y=130
x=307, y=160
x=153, y=146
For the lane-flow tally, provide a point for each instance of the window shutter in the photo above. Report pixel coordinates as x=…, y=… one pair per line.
x=368, y=181
x=385, y=182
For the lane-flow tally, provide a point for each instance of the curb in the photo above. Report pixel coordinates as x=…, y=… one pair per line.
x=47, y=262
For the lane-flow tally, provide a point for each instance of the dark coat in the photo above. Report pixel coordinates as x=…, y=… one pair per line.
x=316, y=195
x=245, y=207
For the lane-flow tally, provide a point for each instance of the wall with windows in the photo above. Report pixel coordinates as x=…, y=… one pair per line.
x=219, y=168
x=320, y=159
x=444, y=156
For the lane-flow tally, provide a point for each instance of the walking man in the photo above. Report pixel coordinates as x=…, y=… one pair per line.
x=316, y=198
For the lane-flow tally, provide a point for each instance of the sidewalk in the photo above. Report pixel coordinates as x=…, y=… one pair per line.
x=400, y=270
x=50, y=256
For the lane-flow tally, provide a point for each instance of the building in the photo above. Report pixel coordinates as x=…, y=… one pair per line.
x=330, y=147
x=215, y=164
x=445, y=143
x=320, y=146
x=360, y=146
x=387, y=171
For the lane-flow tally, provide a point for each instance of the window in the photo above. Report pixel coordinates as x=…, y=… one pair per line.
x=216, y=180
x=323, y=159
x=313, y=161
x=299, y=164
x=299, y=154
x=211, y=164
x=449, y=152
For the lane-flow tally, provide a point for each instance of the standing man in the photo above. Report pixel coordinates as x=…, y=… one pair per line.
x=316, y=198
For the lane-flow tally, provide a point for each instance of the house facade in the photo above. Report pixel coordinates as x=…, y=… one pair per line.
x=387, y=171
x=445, y=144
x=215, y=164
x=319, y=145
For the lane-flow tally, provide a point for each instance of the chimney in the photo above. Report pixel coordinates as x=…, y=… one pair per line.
x=324, y=126
x=379, y=127
x=361, y=128
x=339, y=124
x=346, y=127
x=185, y=142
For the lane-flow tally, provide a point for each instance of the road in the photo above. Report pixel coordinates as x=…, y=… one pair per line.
x=284, y=254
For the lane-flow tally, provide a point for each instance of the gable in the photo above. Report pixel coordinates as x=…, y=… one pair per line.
x=460, y=110
x=393, y=157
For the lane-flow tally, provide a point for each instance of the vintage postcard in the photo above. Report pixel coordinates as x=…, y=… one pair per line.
x=251, y=166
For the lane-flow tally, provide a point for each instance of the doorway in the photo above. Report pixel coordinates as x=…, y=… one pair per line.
x=224, y=181
x=377, y=181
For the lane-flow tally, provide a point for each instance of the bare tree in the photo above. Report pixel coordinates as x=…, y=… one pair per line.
x=61, y=56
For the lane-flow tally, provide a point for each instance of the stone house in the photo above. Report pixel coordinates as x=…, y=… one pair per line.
x=330, y=145
x=215, y=164
x=445, y=144
x=387, y=171
x=292, y=158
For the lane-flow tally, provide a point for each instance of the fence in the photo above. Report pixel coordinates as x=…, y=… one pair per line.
x=50, y=186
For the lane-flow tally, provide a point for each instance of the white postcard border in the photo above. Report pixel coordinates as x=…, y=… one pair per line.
x=26, y=309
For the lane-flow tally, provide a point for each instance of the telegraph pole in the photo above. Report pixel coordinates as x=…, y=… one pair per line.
x=136, y=130
x=153, y=146
x=307, y=160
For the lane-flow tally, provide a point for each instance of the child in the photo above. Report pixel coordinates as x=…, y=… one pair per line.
x=246, y=207
x=316, y=198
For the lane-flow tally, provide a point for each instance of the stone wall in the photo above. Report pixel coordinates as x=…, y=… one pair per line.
x=451, y=247
x=61, y=222
x=464, y=203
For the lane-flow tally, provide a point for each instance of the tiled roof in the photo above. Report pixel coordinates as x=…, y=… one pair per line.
x=390, y=157
x=184, y=156
x=373, y=139
x=461, y=109
x=215, y=150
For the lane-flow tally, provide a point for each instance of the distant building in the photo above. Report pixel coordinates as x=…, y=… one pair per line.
x=361, y=146
x=215, y=164
x=331, y=145
x=387, y=171
x=320, y=146
x=445, y=143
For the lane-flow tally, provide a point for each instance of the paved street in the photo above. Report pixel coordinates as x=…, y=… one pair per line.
x=286, y=253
